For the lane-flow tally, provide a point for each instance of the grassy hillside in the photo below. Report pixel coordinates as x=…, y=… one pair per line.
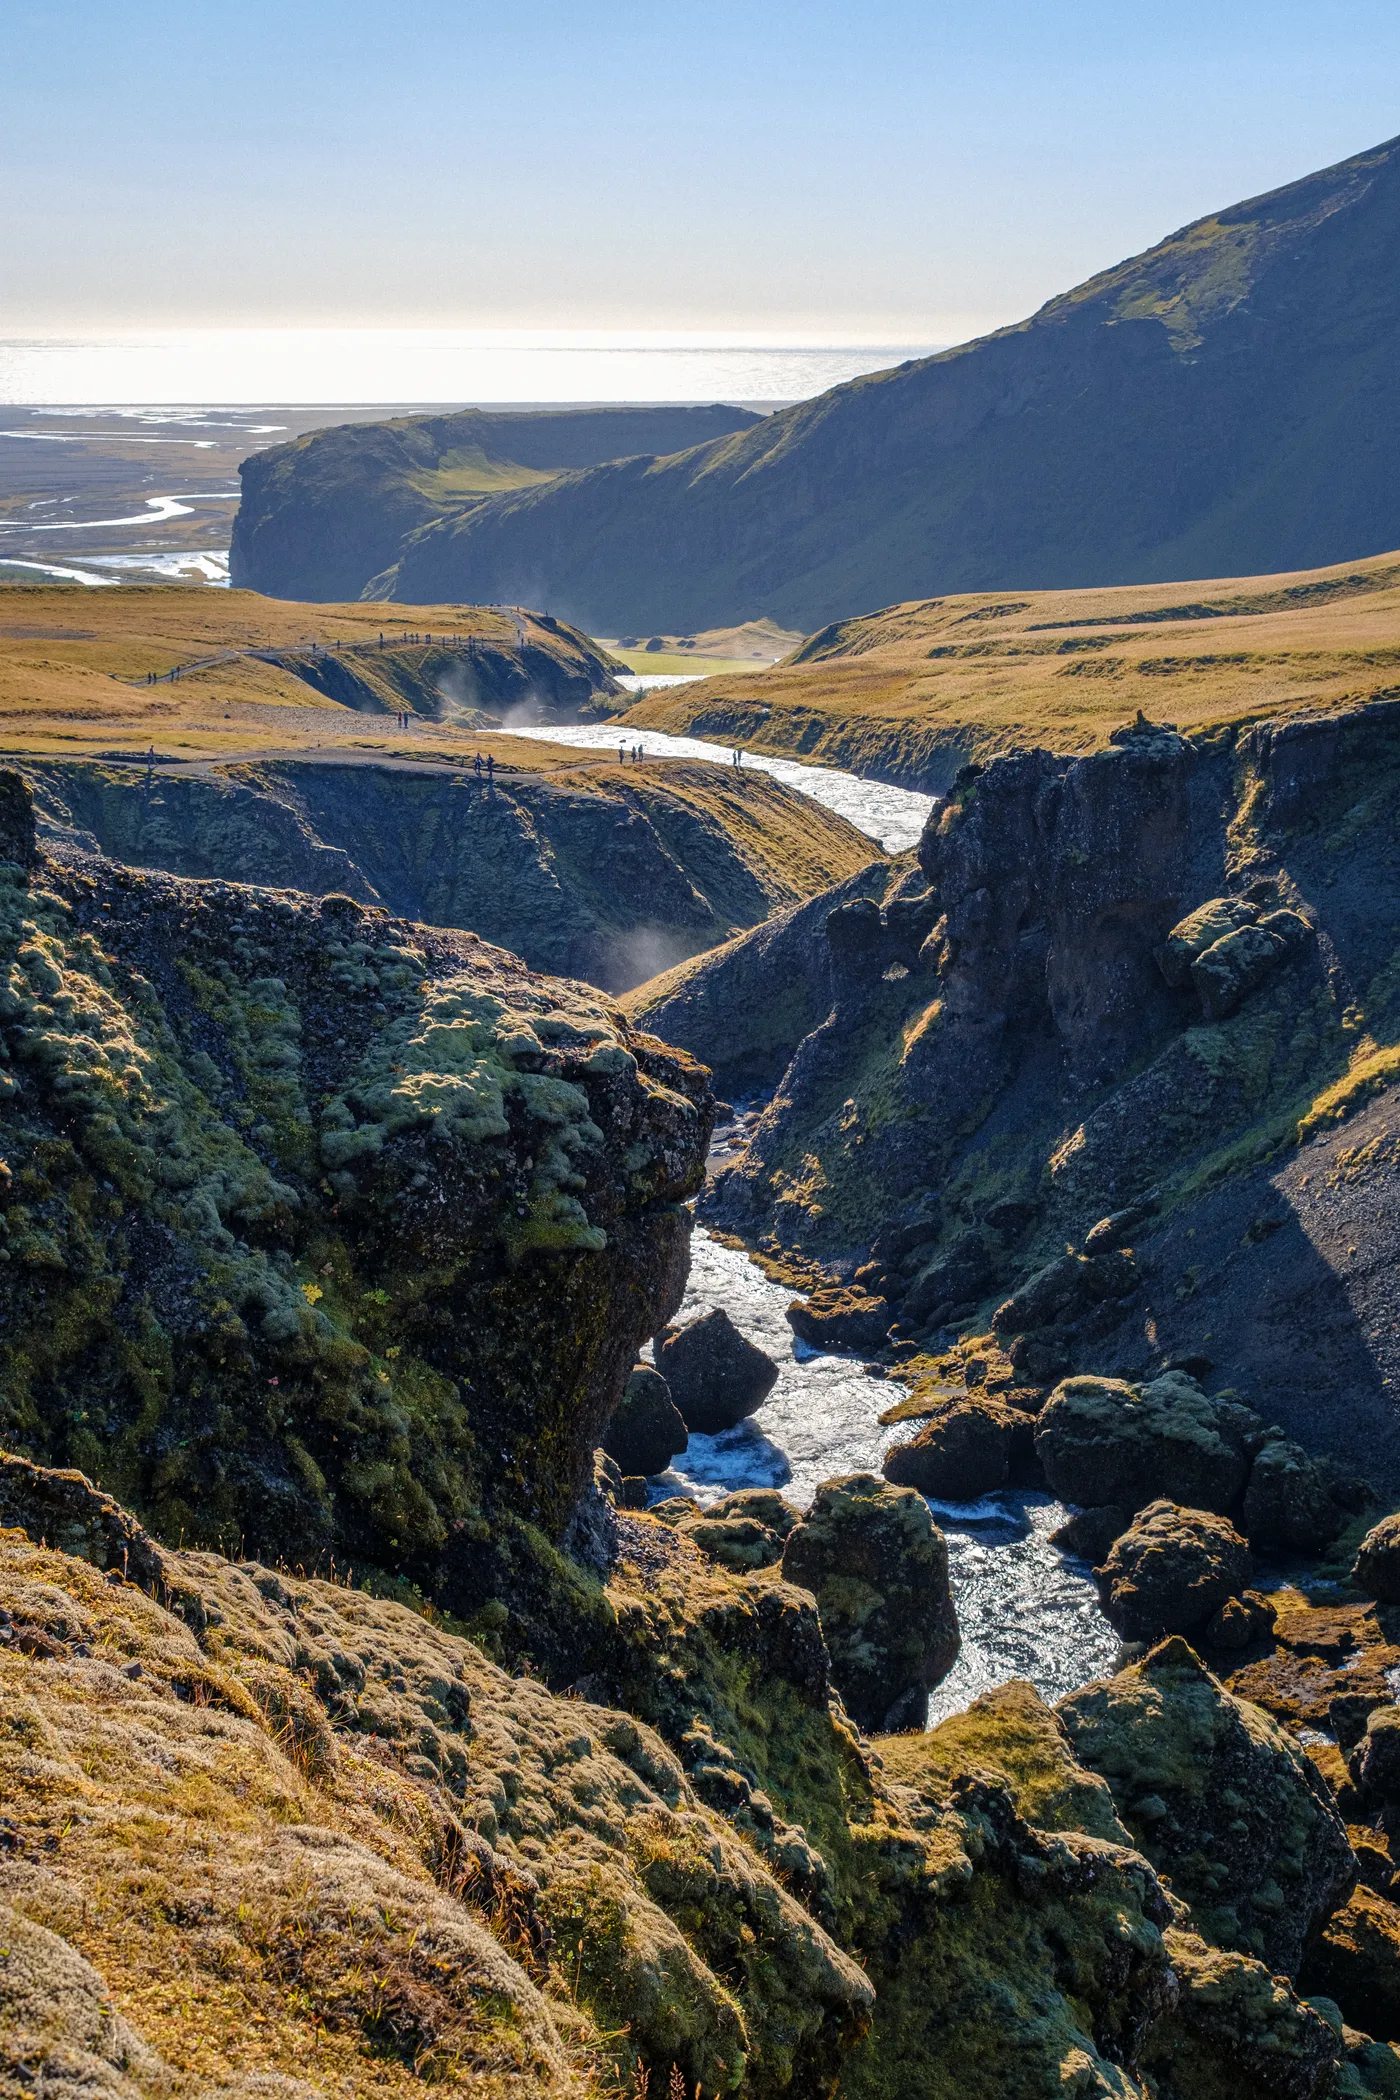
x=279, y=759
x=256, y=674
x=913, y=692
x=1222, y=403
x=323, y=515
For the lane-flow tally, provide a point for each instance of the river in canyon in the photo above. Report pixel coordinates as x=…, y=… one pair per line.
x=893, y=815
x=1025, y=1608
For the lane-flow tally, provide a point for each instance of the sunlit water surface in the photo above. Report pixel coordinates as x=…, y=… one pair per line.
x=1025, y=1608
x=893, y=815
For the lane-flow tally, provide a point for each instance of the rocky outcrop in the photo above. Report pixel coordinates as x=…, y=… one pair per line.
x=646, y=1431
x=606, y=876
x=743, y=1009
x=1102, y=1441
x=1356, y=1962
x=310, y=1215
x=1035, y=1075
x=1220, y=1798
x=968, y=1447
x=1173, y=1571
x=840, y=1318
x=1377, y=1570
x=878, y=1567
x=717, y=1376
x=690, y=1868
x=1296, y=1503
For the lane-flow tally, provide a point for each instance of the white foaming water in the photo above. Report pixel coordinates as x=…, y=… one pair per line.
x=1025, y=1608
x=893, y=815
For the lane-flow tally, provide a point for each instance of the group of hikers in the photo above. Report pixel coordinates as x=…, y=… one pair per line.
x=486, y=767
x=637, y=752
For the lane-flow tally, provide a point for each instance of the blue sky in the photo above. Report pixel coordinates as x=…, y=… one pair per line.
x=886, y=171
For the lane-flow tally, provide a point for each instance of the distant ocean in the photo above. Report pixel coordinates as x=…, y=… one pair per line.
x=334, y=367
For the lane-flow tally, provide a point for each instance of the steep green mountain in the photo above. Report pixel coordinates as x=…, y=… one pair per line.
x=324, y=514
x=1223, y=404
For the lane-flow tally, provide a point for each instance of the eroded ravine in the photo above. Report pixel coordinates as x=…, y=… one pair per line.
x=1025, y=1608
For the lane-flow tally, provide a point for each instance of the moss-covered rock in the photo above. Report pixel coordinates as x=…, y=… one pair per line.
x=1104, y=1440
x=878, y=1566
x=1237, y=2032
x=1290, y=1500
x=1172, y=1571
x=1377, y=1571
x=1013, y=1734
x=966, y=1448
x=323, y=1232
x=1356, y=1961
x=1219, y=1797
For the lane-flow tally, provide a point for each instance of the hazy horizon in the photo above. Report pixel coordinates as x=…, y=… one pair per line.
x=911, y=175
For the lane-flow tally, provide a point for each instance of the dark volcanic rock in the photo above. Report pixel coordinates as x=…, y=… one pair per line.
x=878, y=1567
x=1356, y=1963
x=1377, y=1570
x=1101, y=1440
x=319, y=1214
x=1039, y=1047
x=1220, y=1798
x=840, y=1318
x=1375, y=1762
x=646, y=1432
x=1172, y=1571
x=717, y=1377
x=967, y=1448
x=1289, y=1501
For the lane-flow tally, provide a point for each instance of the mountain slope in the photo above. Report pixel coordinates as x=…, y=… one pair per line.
x=323, y=515
x=1219, y=405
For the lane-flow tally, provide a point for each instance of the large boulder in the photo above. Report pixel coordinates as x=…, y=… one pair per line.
x=966, y=1448
x=1238, y=2030
x=1220, y=1798
x=1377, y=1570
x=877, y=1565
x=716, y=1375
x=1228, y=971
x=1199, y=931
x=1172, y=1571
x=1356, y=1962
x=1289, y=1501
x=1102, y=1440
x=742, y=1531
x=1374, y=1763
x=647, y=1431
x=1065, y=1288
x=841, y=1317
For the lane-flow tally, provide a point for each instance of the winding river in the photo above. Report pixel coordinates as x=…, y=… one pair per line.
x=1026, y=1609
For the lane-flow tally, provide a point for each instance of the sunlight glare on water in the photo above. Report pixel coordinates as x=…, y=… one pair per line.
x=1025, y=1608
x=893, y=815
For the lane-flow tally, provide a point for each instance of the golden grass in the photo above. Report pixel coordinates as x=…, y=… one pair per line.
x=919, y=687
x=73, y=664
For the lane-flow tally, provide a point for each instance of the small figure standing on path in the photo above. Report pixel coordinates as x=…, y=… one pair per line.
x=476, y=762
x=490, y=766
x=622, y=754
